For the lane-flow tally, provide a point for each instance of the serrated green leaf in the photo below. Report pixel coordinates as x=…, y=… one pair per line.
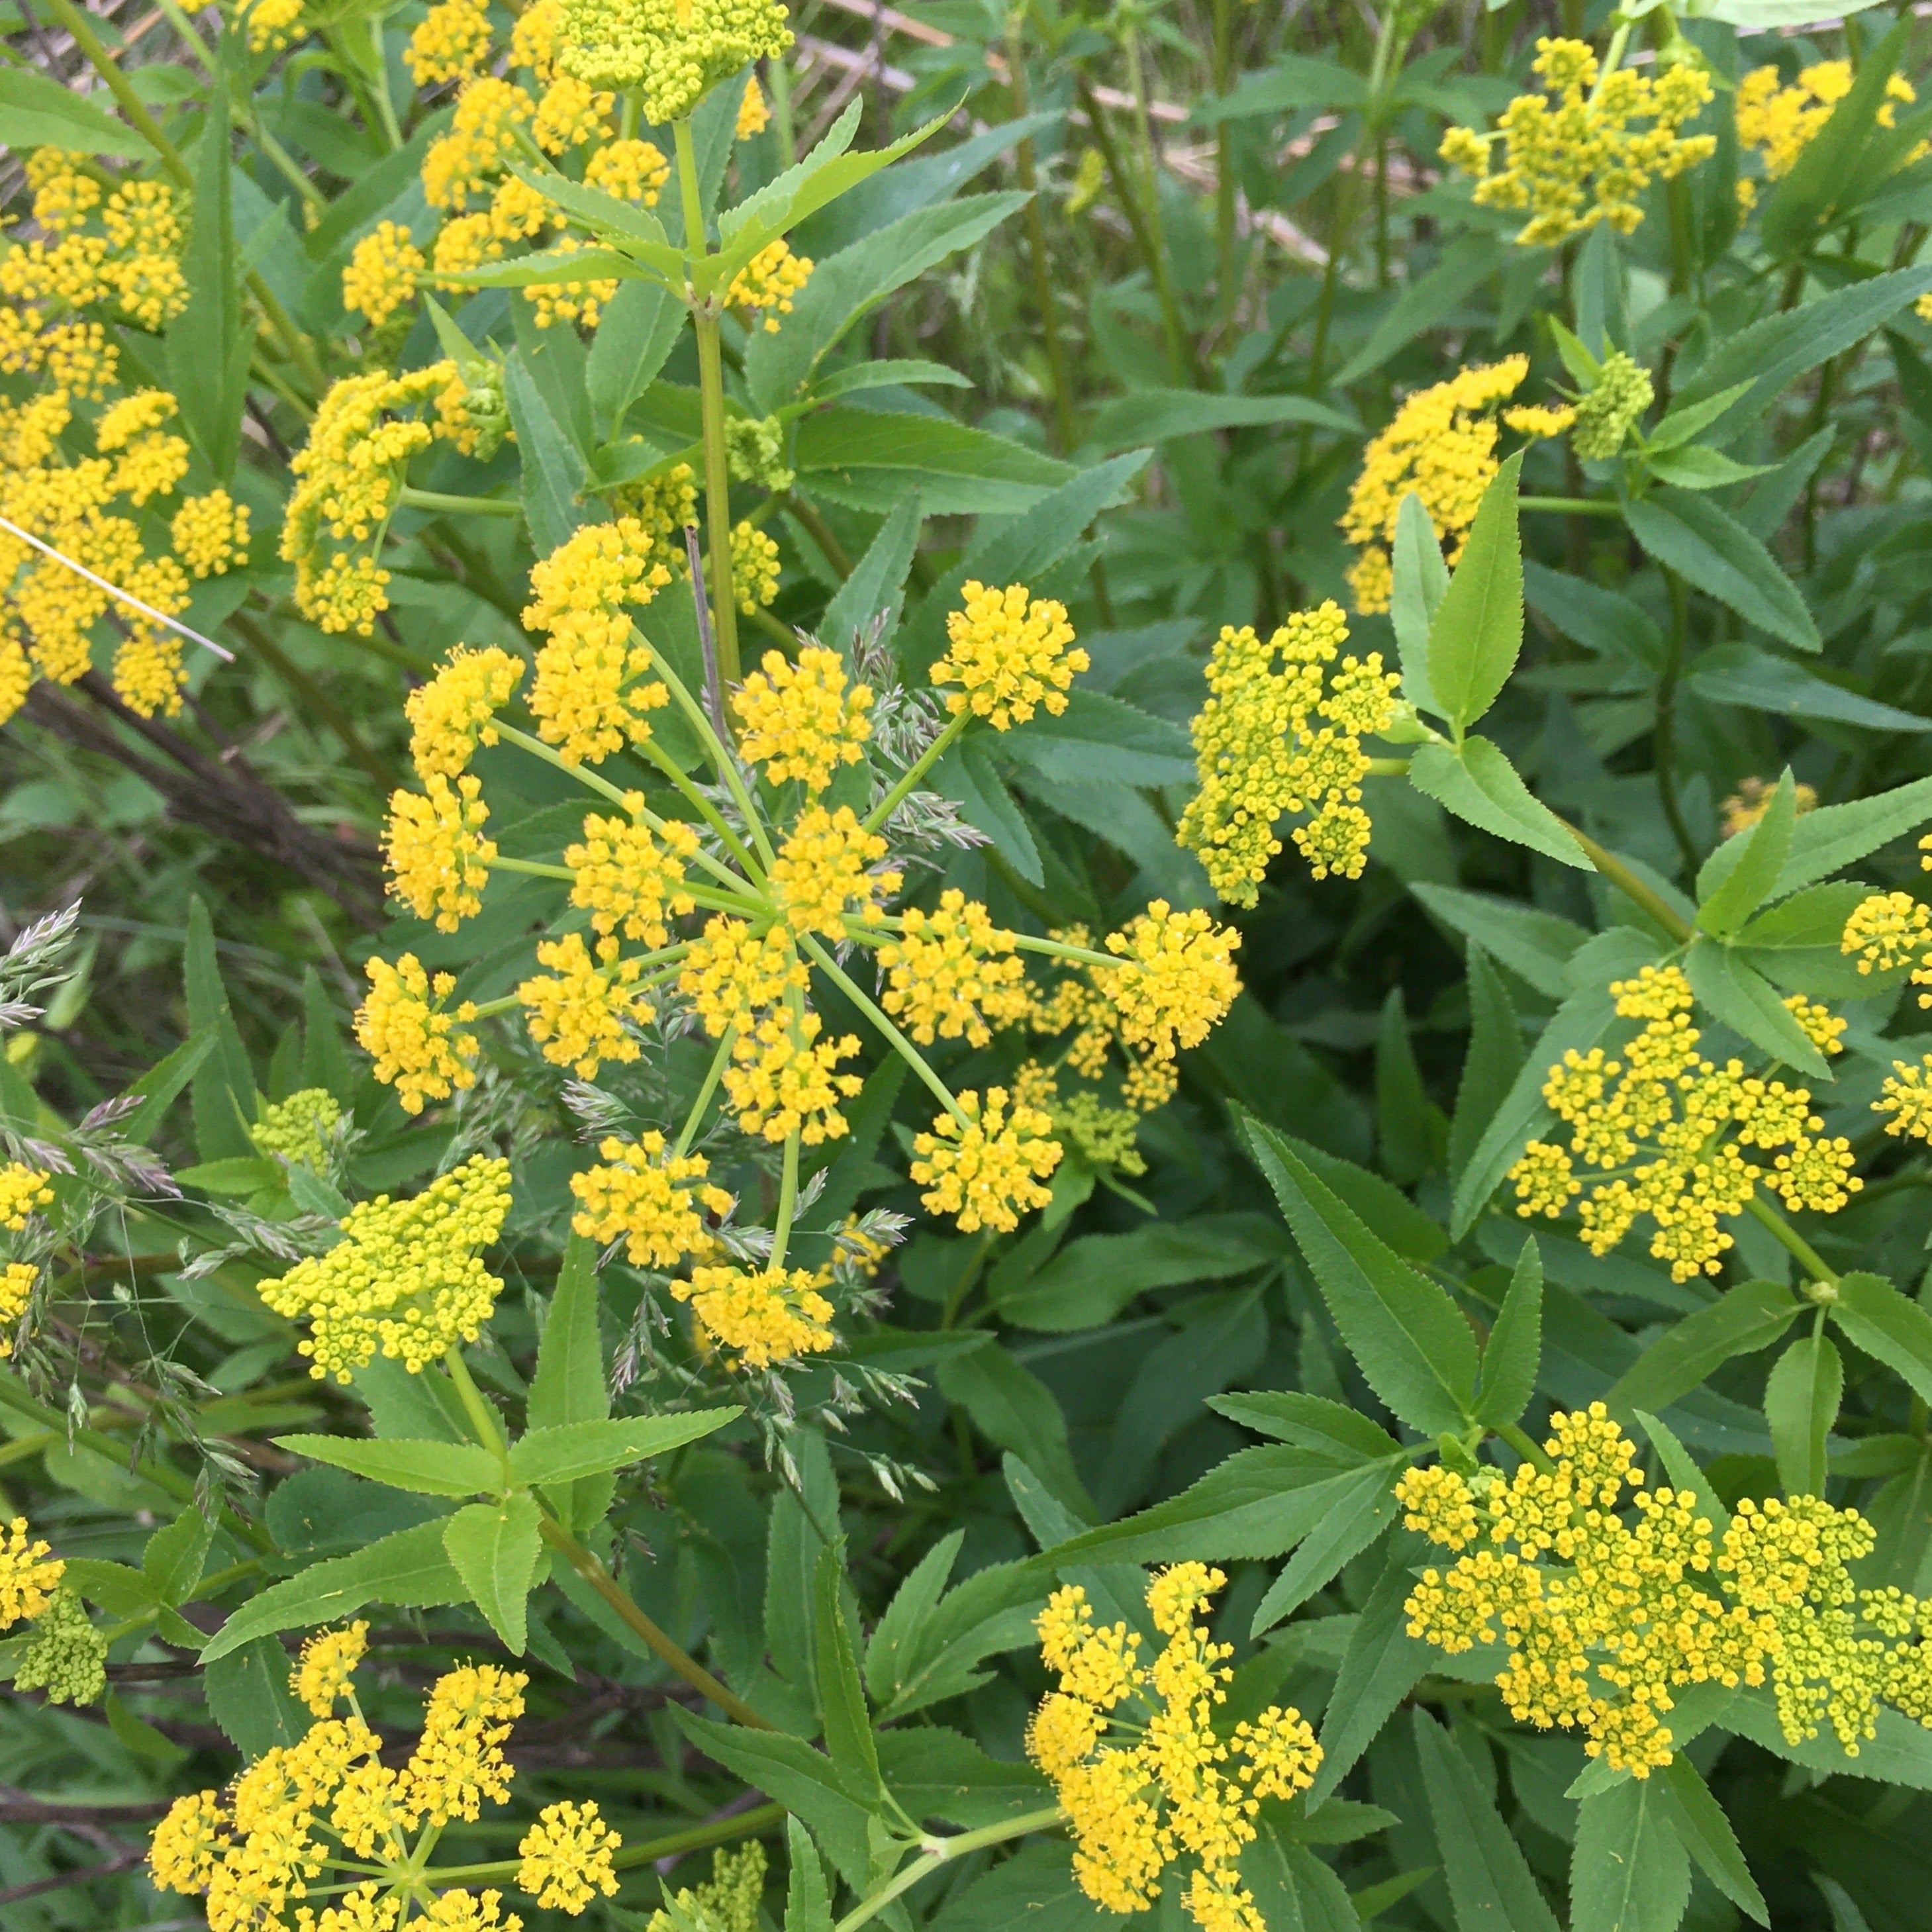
x=1800, y=1404
x=1406, y=1335
x=1738, y=877
x=1713, y=553
x=1628, y=1873
x=1748, y=1004
x=1490, y=1883
x=1889, y=1326
x=1476, y=782
x=569, y=1450
x=429, y=1469
x=1381, y=1665
x=493, y=1547
x=1835, y=835
x=1747, y=1318
x=1514, y=1350
x=1705, y=1833
x=1421, y=578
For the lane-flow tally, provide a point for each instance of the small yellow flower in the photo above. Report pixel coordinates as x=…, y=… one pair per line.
x=767, y=284
x=580, y=1012
x=953, y=974
x=326, y=1670
x=29, y=1575
x=455, y=711
x=986, y=1170
x=822, y=874
x=800, y=720
x=382, y=272
x=566, y=1858
x=438, y=862
x=23, y=1190
x=653, y=1201
x=766, y=1315
x=403, y=1025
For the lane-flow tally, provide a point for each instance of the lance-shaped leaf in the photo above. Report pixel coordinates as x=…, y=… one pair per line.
x=493, y=1547
x=430, y=1468
x=1362, y=1509
x=1381, y=1665
x=1628, y=1873
x=1713, y=553
x=1835, y=835
x=1800, y=1403
x=1514, y=1350
x=1705, y=1833
x=1737, y=994
x=573, y=1449
x=409, y=1569
x=1476, y=782
x=1490, y=1883
x=1408, y=1338
x=1421, y=577
x=1738, y=876
x=1477, y=633
x=841, y=1696
x=1747, y=1318
x=1889, y=1326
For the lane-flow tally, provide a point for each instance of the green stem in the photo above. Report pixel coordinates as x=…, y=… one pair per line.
x=720, y=755
x=1524, y=1445
x=1572, y=506
x=1224, y=171
x=409, y=498
x=535, y=869
x=713, y=1074
x=537, y=748
x=1809, y=1259
x=699, y=1837
x=821, y=533
x=941, y=1852
x=787, y=1200
x=487, y=1424
x=711, y=401
x=679, y=1660
x=916, y=770
x=1025, y=166
x=1664, y=741
x=1632, y=888
x=900, y=1044
x=779, y=76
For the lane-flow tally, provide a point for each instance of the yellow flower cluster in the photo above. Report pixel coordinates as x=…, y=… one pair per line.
x=406, y=1279
x=118, y=252
x=17, y=1283
x=786, y=877
x=800, y=721
x=351, y=473
x=1441, y=444
x=1667, y=1130
x=29, y=1575
x=591, y=694
x=754, y=116
x=654, y=1202
x=984, y=1163
x=1777, y=123
x=383, y=271
x=328, y=1804
x=1572, y=156
x=406, y=1026
x=672, y=53
x=50, y=609
x=767, y=284
x=23, y=1189
x=271, y=24
x=764, y=1315
x=1282, y=731
x=1606, y=1619
x=1008, y=651
x=1144, y=1774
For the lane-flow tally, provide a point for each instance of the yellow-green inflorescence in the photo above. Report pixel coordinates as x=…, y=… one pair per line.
x=1613, y=1598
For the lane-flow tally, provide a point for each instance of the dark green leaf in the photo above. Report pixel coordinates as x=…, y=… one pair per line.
x=1713, y=553
x=1705, y=1833
x=1490, y=1067
x=1490, y=1884
x=1406, y=1335
x=1747, y=1318
x=552, y=472
x=247, y=1694
x=1158, y=415
x=808, y=1903
x=1381, y=1665
x=1362, y=1509
x=1888, y=1326
x=1629, y=1872
x=209, y=343
x=842, y=1697
x=877, y=587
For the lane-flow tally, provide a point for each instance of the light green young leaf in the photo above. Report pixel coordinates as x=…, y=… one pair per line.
x=1477, y=783
x=1698, y=467
x=430, y=1468
x=1582, y=366
x=1747, y=1318
x=38, y=112
x=569, y=1385
x=1682, y=424
x=493, y=1547
x=1514, y=1350
x=1628, y=1872
x=1748, y=1004
x=1407, y=1336
x=562, y=1453
x=172, y=1561
x=1705, y=1833
x=1490, y=1883
x=1737, y=878
x=1889, y=1326
x=1476, y=635
x=1800, y=1403
x=1421, y=577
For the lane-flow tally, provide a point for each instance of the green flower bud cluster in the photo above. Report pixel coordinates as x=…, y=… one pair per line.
x=727, y=1902
x=68, y=1656
x=1104, y=1136
x=672, y=52
x=755, y=448
x=299, y=1128
x=1606, y=416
